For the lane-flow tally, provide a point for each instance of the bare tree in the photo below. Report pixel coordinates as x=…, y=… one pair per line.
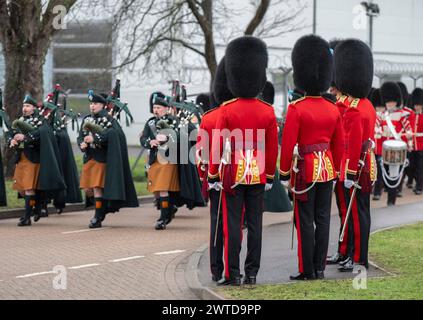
x=26, y=29
x=155, y=32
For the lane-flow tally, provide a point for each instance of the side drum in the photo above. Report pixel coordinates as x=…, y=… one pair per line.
x=394, y=152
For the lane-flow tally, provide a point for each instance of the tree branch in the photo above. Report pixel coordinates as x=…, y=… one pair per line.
x=258, y=17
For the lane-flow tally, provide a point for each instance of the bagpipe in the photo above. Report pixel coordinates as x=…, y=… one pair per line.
x=61, y=115
x=115, y=106
x=186, y=111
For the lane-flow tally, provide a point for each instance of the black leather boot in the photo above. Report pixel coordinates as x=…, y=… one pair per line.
x=25, y=220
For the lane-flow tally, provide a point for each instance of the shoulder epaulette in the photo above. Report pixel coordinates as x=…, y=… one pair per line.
x=354, y=103
x=298, y=100
x=342, y=98
x=270, y=105
x=229, y=102
x=209, y=111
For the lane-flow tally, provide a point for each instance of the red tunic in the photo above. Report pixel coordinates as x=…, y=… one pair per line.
x=402, y=125
x=252, y=131
x=315, y=124
x=359, y=126
x=418, y=132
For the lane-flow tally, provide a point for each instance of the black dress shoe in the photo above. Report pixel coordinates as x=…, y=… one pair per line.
x=37, y=216
x=334, y=259
x=399, y=194
x=376, y=197
x=24, y=222
x=249, y=280
x=229, y=282
x=59, y=211
x=160, y=225
x=347, y=267
x=319, y=274
x=44, y=213
x=418, y=192
x=94, y=223
x=302, y=276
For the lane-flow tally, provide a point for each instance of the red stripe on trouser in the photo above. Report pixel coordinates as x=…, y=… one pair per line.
x=225, y=234
x=300, y=247
x=356, y=223
x=242, y=220
x=211, y=232
x=343, y=208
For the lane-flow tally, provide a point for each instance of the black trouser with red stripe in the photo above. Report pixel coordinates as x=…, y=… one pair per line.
x=250, y=196
x=216, y=252
x=345, y=248
x=418, y=169
x=379, y=185
x=360, y=214
x=312, y=220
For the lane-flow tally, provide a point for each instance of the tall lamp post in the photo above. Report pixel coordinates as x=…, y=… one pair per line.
x=372, y=11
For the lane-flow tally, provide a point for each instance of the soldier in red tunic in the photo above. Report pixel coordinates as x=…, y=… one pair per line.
x=220, y=94
x=417, y=154
x=246, y=136
x=376, y=100
x=353, y=62
x=399, y=130
x=314, y=125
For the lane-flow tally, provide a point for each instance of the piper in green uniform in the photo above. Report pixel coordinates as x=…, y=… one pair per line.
x=37, y=167
x=106, y=174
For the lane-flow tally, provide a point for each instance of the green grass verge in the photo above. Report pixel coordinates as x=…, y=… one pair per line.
x=138, y=175
x=397, y=250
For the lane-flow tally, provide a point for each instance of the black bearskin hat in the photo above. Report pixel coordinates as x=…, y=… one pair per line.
x=353, y=63
x=268, y=94
x=332, y=44
x=404, y=93
x=376, y=98
x=221, y=91
x=417, y=96
x=312, y=64
x=203, y=100
x=390, y=91
x=157, y=98
x=245, y=64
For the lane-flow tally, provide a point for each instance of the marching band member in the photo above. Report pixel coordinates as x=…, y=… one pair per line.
x=417, y=154
x=395, y=126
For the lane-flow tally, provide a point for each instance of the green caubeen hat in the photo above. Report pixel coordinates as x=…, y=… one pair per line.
x=30, y=100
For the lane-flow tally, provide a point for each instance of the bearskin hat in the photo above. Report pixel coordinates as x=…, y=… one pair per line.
x=390, y=91
x=203, y=100
x=245, y=64
x=268, y=94
x=312, y=64
x=353, y=63
x=332, y=44
x=404, y=93
x=221, y=91
x=376, y=98
x=417, y=96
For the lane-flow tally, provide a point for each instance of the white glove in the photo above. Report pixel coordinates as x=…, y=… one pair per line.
x=268, y=186
x=348, y=183
x=285, y=183
x=216, y=186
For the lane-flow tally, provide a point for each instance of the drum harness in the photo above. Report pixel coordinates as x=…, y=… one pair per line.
x=385, y=175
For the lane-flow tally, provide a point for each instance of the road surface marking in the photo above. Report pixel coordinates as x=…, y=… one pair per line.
x=85, y=266
x=34, y=274
x=126, y=259
x=169, y=252
x=84, y=230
